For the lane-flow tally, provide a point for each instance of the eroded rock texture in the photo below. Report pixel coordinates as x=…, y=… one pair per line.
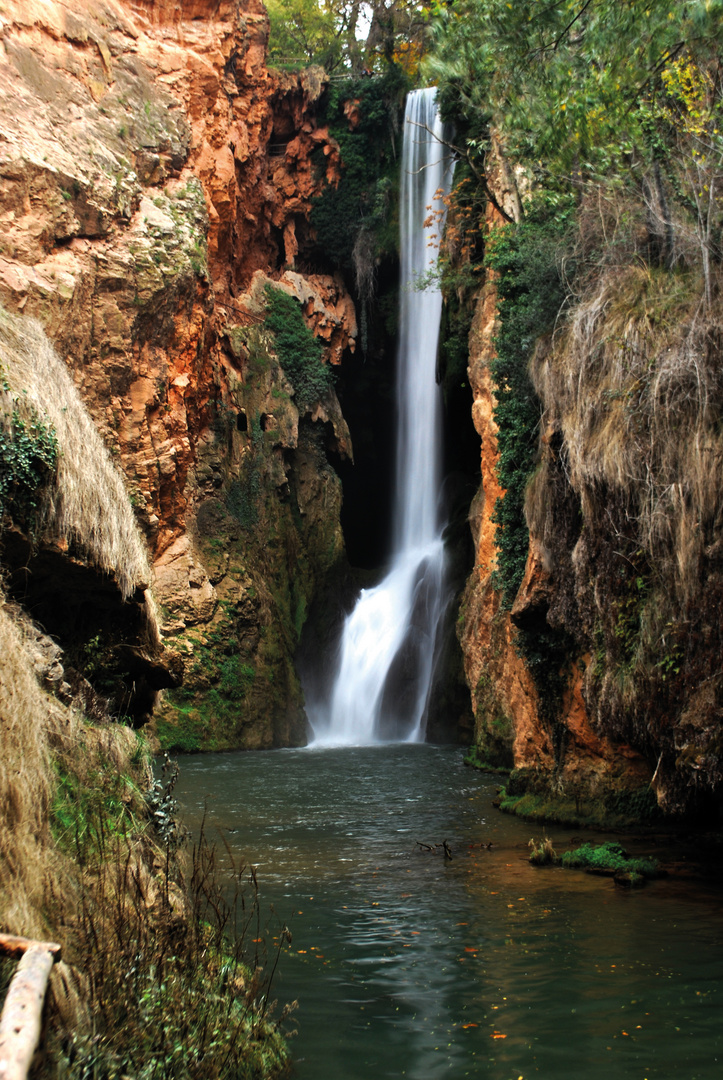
x=151, y=168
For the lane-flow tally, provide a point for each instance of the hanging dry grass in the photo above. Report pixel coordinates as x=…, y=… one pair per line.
x=88, y=506
x=34, y=876
x=164, y=974
x=635, y=385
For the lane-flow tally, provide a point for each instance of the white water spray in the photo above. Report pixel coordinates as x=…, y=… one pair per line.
x=387, y=651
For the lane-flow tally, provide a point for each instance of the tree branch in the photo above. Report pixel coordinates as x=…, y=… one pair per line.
x=479, y=176
x=554, y=44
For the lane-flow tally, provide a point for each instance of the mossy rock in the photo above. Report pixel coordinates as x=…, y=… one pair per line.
x=531, y=795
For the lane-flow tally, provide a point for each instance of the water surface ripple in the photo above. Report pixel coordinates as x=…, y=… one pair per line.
x=407, y=964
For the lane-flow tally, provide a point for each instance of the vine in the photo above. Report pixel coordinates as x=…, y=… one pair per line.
x=28, y=456
x=531, y=292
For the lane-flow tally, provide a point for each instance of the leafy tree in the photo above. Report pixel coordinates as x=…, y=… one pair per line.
x=305, y=31
x=685, y=126
x=356, y=35
x=564, y=80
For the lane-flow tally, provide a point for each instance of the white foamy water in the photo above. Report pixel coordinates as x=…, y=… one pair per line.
x=387, y=647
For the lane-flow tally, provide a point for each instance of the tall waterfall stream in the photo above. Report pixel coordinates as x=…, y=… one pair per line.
x=388, y=642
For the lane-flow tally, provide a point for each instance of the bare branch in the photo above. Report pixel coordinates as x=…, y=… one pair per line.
x=460, y=154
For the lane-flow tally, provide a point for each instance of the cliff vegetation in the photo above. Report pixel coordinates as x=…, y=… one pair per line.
x=591, y=132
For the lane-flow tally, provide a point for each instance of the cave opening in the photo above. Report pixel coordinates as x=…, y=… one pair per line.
x=105, y=640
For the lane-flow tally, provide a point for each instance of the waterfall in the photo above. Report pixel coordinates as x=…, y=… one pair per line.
x=387, y=647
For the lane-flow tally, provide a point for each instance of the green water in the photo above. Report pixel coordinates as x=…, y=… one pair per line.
x=407, y=964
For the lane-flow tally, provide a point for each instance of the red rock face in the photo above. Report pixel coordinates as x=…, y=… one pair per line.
x=150, y=166
x=510, y=727
x=140, y=190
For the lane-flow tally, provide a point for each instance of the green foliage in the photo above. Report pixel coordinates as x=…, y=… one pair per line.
x=90, y=809
x=298, y=350
x=347, y=34
x=531, y=292
x=365, y=197
x=303, y=32
x=611, y=857
x=28, y=456
x=563, y=81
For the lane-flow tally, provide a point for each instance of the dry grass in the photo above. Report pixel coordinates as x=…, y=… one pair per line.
x=635, y=385
x=34, y=876
x=88, y=507
x=162, y=977
x=27, y=715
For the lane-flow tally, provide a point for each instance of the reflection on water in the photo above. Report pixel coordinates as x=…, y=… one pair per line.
x=407, y=964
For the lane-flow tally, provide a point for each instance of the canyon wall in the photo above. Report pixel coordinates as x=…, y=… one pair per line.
x=598, y=682
x=155, y=177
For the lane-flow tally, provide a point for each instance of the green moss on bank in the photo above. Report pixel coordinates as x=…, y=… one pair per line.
x=609, y=857
x=475, y=757
x=531, y=796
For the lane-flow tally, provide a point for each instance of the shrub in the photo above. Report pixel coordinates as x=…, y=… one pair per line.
x=298, y=350
x=369, y=160
x=175, y=972
x=542, y=853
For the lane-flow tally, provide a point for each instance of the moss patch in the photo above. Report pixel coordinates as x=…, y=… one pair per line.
x=531, y=796
x=475, y=757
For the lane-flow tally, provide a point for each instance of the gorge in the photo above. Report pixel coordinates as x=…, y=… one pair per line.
x=200, y=285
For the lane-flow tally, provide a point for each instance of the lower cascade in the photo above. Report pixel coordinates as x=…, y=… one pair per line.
x=388, y=642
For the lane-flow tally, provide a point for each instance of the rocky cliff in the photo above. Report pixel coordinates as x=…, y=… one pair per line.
x=598, y=679
x=154, y=176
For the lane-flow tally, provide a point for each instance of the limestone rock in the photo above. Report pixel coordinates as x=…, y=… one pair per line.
x=150, y=166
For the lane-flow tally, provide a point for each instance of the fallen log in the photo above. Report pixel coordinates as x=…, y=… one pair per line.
x=15, y=947
x=20, y=1021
